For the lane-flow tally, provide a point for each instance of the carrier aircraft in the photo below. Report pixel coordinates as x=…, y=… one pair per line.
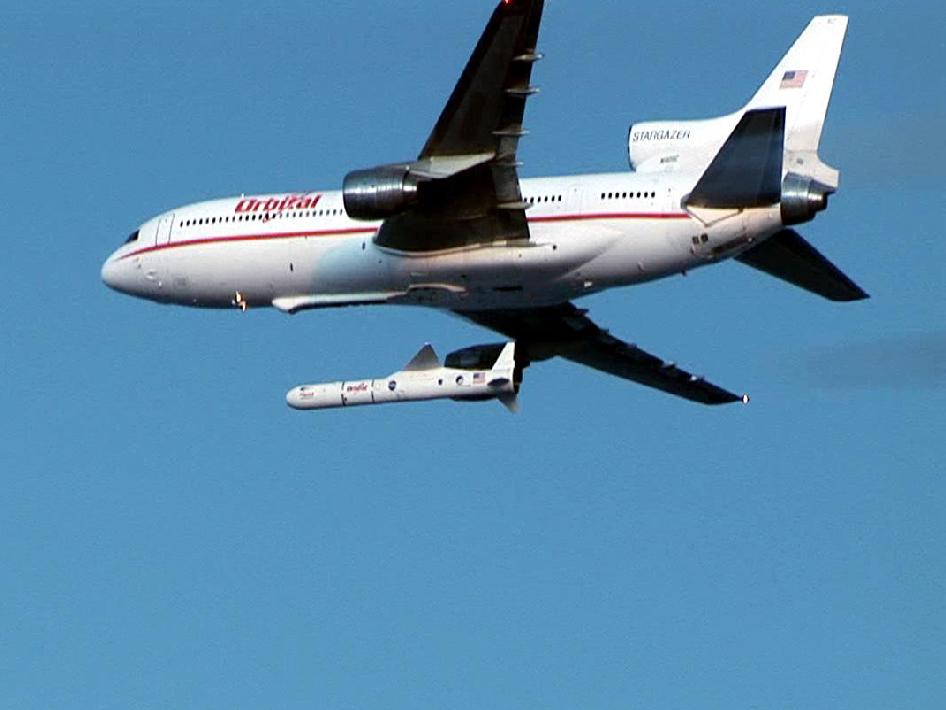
x=457, y=229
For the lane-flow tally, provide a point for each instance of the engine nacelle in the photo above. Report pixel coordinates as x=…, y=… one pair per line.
x=802, y=199
x=379, y=193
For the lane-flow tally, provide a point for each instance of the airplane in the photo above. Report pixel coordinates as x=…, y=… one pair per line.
x=458, y=230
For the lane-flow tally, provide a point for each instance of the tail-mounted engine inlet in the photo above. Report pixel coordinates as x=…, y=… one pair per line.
x=802, y=199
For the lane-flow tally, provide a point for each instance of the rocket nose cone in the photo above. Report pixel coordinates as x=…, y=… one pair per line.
x=323, y=396
x=299, y=398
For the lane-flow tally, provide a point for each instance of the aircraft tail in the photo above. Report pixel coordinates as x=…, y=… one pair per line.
x=771, y=156
x=803, y=82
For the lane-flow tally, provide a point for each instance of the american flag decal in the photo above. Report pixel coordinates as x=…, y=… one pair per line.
x=479, y=378
x=793, y=79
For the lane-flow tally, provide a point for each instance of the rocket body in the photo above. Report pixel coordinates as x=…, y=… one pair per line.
x=423, y=379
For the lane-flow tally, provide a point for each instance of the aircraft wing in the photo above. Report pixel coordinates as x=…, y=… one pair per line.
x=566, y=331
x=470, y=186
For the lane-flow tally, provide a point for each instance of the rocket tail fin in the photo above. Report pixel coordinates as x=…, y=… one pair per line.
x=506, y=362
x=504, y=371
x=510, y=402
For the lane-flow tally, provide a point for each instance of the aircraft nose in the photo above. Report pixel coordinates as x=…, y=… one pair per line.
x=115, y=275
x=110, y=273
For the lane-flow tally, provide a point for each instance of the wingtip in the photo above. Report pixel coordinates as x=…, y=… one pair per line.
x=831, y=20
x=852, y=297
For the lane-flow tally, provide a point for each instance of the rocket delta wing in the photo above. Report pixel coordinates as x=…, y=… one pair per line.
x=426, y=359
x=566, y=331
x=469, y=192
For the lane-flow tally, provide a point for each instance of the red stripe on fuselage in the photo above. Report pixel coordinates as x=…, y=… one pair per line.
x=249, y=238
x=612, y=215
x=371, y=230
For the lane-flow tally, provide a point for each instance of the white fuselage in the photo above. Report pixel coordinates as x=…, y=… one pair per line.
x=438, y=383
x=301, y=250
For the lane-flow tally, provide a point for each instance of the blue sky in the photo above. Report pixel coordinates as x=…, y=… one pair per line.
x=171, y=535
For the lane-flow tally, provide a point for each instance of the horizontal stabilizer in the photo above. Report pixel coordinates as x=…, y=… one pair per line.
x=747, y=171
x=787, y=256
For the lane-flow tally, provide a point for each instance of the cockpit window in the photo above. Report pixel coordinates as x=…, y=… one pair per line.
x=132, y=238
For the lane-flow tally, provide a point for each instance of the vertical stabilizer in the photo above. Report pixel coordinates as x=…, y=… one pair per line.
x=802, y=83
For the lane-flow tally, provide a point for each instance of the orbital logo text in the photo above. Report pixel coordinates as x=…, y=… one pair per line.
x=277, y=204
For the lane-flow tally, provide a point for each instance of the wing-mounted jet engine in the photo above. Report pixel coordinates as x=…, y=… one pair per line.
x=389, y=190
x=474, y=374
x=379, y=193
x=463, y=189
